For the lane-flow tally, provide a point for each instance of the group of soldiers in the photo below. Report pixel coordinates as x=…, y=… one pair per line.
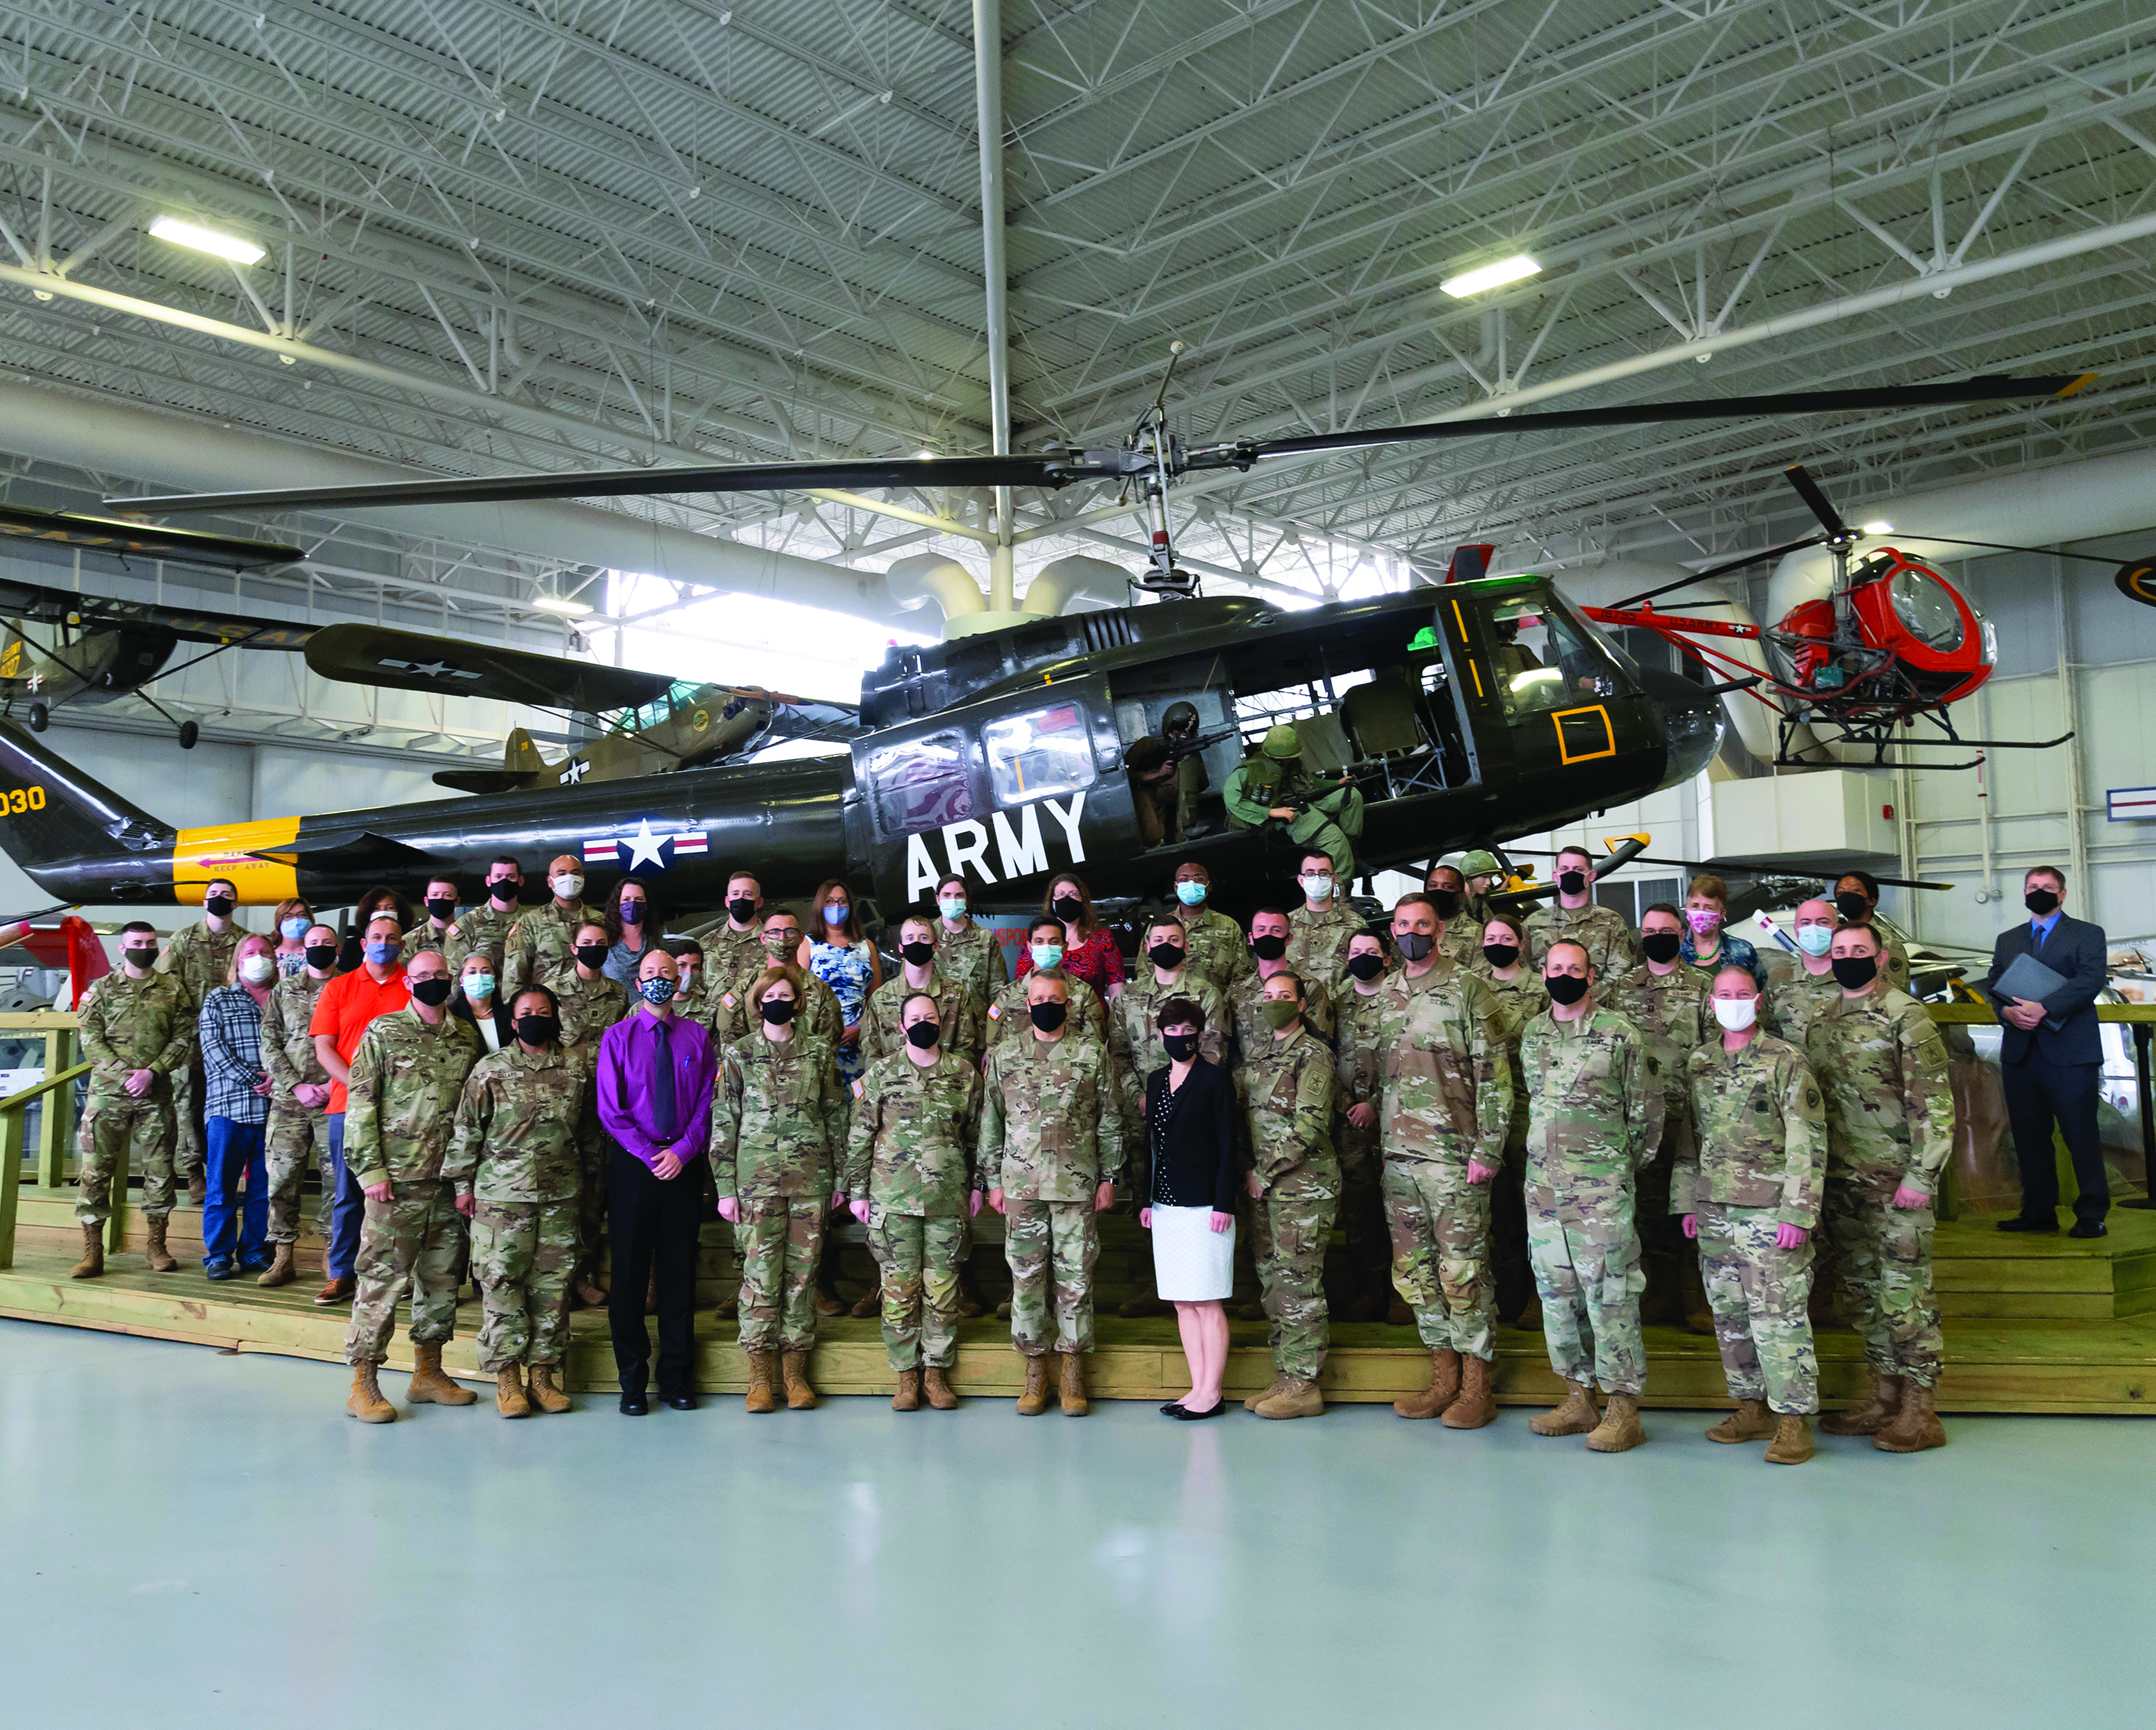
x=1466, y=1093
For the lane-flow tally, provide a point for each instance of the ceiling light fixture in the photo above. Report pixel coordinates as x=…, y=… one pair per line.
x=1490, y=276
x=208, y=240
x=563, y=605
x=1880, y=527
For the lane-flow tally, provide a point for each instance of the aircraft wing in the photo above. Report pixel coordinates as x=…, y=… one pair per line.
x=227, y=630
x=799, y=718
x=413, y=660
x=120, y=537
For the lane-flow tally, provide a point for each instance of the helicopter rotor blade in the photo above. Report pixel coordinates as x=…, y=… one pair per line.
x=1723, y=569
x=1808, y=490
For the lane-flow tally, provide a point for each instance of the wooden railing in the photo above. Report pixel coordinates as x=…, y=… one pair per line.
x=58, y=1091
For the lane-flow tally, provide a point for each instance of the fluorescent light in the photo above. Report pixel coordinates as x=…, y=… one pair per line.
x=925, y=456
x=208, y=240
x=562, y=604
x=1880, y=527
x=1490, y=276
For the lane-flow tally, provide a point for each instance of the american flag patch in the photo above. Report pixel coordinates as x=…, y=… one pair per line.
x=859, y=1089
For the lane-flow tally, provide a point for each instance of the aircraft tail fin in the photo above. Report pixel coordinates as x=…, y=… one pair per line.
x=69, y=832
x=522, y=756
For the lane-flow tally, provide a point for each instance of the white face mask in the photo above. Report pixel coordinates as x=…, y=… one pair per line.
x=258, y=969
x=1735, y=1013
x=1814, y=939
x=568, y=885
x=1317, y=889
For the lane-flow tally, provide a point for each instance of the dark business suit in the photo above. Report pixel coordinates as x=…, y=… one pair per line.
x=2052, y=1073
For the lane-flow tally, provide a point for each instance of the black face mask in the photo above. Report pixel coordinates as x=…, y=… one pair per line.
x=1853, y=972
x=1181, y=1046
x=631, y=913
x=593, y=955
x=919, y=954
x=1446, y=901
x=443, y=907
x=1565, y=988
x=219, y=904
x=433, y=993
x=1166, y=957
x=1067, y=907
x=1048, y=1016
x=1572, y=882
x=537, y=1029
x=1661, y=945
x=742, y=908
x=1366, y=968
x=321, y=957
x=1500, y=956
x=1268, y=947
x=923, y=1035
x=778, y=1010
x=2041, y=901
x=1415, y=944
x=502, y=892
x=144, y=957
x=1851, y=905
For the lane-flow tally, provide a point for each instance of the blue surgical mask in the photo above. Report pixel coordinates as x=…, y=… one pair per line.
x=1814, y=939
x=378, y=953
x=478, y=984
x=953, y=907
x=657, y=991
x=1191, y=894
x=1047, y=955
x=835, y=912
x=292, y=930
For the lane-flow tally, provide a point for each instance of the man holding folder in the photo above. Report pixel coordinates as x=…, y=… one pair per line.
x=2044, y=976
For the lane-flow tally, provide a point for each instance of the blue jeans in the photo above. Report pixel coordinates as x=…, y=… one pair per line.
x=235, y=1149
x=347, y=1211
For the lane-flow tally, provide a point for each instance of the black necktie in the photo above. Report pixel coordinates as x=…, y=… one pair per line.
x=665, y=1114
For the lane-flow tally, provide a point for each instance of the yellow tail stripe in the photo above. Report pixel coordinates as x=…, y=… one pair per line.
x=234, y=851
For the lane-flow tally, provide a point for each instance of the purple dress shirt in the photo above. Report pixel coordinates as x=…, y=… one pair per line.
x=628, y=1056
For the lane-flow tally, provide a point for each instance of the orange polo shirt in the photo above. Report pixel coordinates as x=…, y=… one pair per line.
x=348, y=1003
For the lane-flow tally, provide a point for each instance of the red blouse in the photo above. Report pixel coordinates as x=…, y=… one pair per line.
x=1097, y=961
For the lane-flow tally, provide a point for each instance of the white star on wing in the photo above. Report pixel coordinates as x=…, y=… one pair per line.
x=644, y=847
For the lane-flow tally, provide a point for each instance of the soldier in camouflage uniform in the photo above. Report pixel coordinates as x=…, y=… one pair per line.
x=485, y=929
x=1463, y=924
x=1286, y=1090
x=299, y=1096
x=1051, y=1151
x=690, y=972
x=589, y=1003
x=1665, y=998
x=778, y=1123
x=910, y=1180
x=1220, y=949
x=1595, y=1110
x=964, y=951
x=1356, y=995
x=1750, y=1194
x=1270, y=930
x=726, y=1001
x=437, y=931
x=1007, y=1018
x=1857, y=900
x=137, y=1030
x=540, y=946
x=1882, y=1065
x=407, y=1078
x=921, y=969
x=516, y=1172
x=1796, y=994
x=1318, y=929
x=734, y=950
x=1499, y=955
x=1575, y=917
x=200, y=956
x=1444, y=1106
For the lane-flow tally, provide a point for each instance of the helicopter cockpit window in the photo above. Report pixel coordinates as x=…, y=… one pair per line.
x=1541, y=661
x=1046, y=751
x=922, y=783
x=1927, y=606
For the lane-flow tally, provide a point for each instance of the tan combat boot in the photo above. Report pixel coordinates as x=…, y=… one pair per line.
x=1072, y=1392
x=1915, y=1427
x=1033, y=1401
x=870, y=1303
x=1477, y=1404
x=936, y=1384
x=545, y=1394
x=509, y=1399
x=1297, y=1398
x=588, y=1294
x=730, y=1309
x=1750, y=1422
x=1876, y=1413
x=280, y=1270
x=908, y=1397
x=1619, y=1431
x=1398, y=1314
x=160, y=1262
x=366, y=1403
x=198, y=1191
x=1575, y=1415
x=1792, y=1444
x=1444, y=1386
x=429, y=1386
x=760, y=1397
x=92, y=1264
x=800, y=1396
x=1265, y=1392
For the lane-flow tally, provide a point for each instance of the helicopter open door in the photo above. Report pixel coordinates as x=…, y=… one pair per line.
x=1004, y=791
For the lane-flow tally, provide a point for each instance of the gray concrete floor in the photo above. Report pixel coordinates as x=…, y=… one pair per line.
x=190, y=1538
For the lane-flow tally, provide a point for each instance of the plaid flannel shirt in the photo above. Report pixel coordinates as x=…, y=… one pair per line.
x=232, y=1055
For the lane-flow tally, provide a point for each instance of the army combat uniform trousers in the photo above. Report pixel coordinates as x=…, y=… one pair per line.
x=413, y=1237
x=1045, y=1242
x=1760, y=1294
x=1362, y=1208
x=521, y=1255
x=113, y=1135
x=1882, y=1263
x=188, y=1091
x=1586, y=1258
x=919, y=1258
x=1510, y=1267
x=779, y=1239
x=1440, y=1229
x=1292, y=1233
x=292, y=1135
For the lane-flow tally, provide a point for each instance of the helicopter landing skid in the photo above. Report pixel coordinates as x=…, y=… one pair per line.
x=1890, y=731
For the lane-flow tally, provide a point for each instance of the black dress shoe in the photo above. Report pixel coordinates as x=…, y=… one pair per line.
x=2030, y=1222
x=1214, y=1410
x=2089, y=1228
x=680, y=1402
x=635, y=1405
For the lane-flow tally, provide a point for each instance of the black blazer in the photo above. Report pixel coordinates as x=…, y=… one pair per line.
x=1195, y=1156
x=504, y=1025
x=2076, y=951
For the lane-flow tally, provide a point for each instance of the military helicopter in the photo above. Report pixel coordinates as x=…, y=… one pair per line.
x=1001, y=756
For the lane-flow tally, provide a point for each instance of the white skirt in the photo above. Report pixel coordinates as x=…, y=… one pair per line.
x=1192, y=1262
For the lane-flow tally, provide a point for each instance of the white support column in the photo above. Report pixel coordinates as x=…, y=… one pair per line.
x=988, y=98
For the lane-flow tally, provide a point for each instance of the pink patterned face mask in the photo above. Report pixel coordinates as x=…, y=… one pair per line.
x=1703, y=920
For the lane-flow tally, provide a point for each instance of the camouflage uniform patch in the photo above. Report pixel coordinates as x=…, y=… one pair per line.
x=589, y=1007
x=198, y=958
x=483, y=930
x=1134, y=1042
x=1362, y=1210
x=1246, y=1004
x=288, y=1053
x=1792, y=1002
x=542, y=946
x=881, y=1035
x=974, y=959
x=1612, y=945
x=1008, y=1017
x=1286, y=1090
x=127, y=1024
x=1671, y=1010
x=779, y=1118
x=1317, y=942
x=1219, y=947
